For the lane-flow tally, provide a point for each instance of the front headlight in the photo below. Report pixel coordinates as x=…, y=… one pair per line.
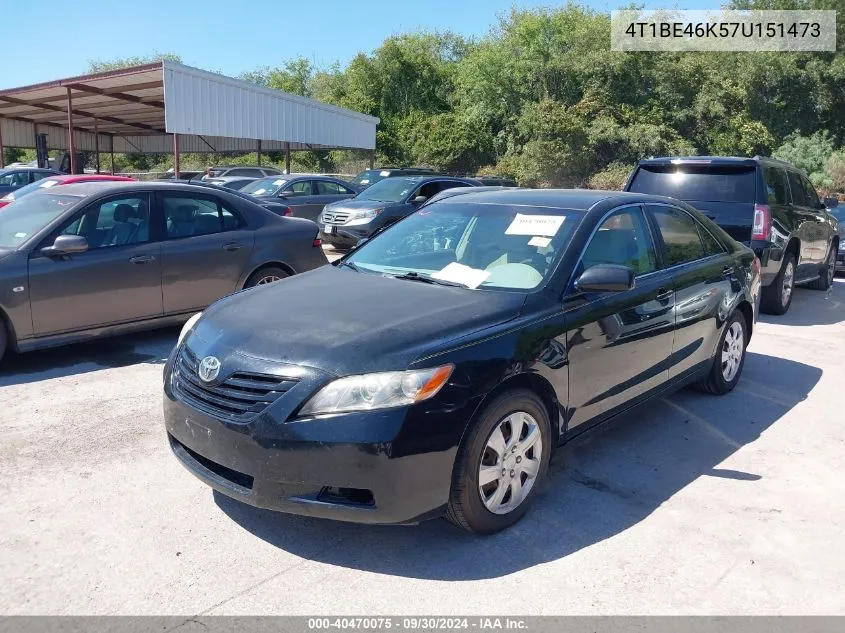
x=187, y=327
x=367, y=392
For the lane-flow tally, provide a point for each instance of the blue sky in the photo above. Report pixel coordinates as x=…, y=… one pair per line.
x=44, y=42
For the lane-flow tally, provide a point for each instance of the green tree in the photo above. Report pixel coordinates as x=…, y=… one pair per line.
x=99, y=66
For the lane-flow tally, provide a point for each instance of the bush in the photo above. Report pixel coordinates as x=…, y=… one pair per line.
x=611, y=178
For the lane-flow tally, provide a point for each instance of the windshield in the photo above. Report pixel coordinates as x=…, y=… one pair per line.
x=389, y=190
x=711, y=183
x=839, y=213
x=22, y=220
x=489, y=246
x=265, y=186
x=369, y=177
x=35, y=186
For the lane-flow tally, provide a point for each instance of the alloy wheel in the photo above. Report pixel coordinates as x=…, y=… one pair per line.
x=788, y=279
x=831, y=266
x=732, y=350
x=267, y=280
x=510, y=463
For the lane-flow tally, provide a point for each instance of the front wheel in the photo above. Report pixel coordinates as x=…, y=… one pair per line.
x=826, y=274
x=501, y=463
x=265, y=276
x=729, y=358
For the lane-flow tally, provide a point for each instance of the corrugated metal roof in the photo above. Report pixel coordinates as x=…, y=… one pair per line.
x=141, y=107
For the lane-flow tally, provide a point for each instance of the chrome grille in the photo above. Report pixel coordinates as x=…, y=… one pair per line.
x=335, y=217
x=240, y=397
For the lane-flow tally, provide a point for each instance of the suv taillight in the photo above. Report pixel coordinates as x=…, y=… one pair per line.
x=317, y=241
x=762, y=222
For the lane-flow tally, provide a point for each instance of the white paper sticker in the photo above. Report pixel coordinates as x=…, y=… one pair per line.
x=384, y=174
x=20, y=235
x=542, y=242
x=258, y=192
x=279, y=182
x=547, y=225
x=48, y=183
x=365, y=181
x=458, y=273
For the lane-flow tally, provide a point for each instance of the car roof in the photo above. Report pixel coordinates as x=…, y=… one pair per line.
x=427, y=177
x=107, y=186
x=712, y=160
x=90, y=177
x=577, y=199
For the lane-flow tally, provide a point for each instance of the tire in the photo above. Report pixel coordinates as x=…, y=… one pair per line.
x=828, y=271
x=775, y=299
x=466, y=507
x=264, y=276
x=731, y=347
x=3, y=338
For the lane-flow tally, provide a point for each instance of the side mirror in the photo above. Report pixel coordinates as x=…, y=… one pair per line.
x=606, y=278
x=831, y=203
x=419, y=200
x=66, y=245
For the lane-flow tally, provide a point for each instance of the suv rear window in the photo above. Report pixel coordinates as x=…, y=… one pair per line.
x=696, y=183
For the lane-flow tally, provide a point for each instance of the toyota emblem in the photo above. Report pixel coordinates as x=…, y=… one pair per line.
x=209, y=368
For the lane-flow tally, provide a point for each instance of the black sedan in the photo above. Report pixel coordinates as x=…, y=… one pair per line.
x=306, y=195
x=443, y=361
x=345, y=223
x=88, y=260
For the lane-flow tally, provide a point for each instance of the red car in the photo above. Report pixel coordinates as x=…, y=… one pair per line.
x=55, y=181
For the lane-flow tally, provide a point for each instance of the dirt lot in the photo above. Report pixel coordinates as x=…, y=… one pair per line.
x=694, y=504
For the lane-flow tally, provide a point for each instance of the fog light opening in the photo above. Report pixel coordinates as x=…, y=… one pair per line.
x=347, y=496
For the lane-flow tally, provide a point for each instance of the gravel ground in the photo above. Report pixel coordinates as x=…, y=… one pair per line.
x=693, y=505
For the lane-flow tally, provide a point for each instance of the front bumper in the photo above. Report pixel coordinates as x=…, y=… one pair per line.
x=346, y=236
x=390, y=466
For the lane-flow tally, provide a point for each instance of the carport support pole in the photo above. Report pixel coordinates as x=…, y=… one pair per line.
x=70, y=136
x=2, y=151
x=372, y=158
x=176, y=156
x=97, y=145
x=259, y=152
x=287, y=158
x=111, y=152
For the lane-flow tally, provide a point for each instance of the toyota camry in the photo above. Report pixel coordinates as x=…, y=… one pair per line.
x=443, y=361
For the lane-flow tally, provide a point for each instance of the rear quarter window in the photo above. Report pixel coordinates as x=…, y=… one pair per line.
x=697, y=183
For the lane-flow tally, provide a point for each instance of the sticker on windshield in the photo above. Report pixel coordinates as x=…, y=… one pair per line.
x=458, y=273
x=365, y=181
x=277, y=183
x=542, y=242
x=384, y=174
x=20, y=235
x=546, y=225
x=48, y=183
x=258, y=192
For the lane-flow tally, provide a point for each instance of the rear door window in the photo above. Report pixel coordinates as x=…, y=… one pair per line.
x=299, y=188
x=327, y=187
x=799, y=196
x=701, y=183
x=776, y=187
x=680, y=235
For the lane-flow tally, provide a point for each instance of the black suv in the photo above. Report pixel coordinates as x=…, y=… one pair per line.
x=766, y=204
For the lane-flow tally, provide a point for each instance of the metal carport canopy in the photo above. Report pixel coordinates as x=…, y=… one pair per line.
x=139, y=109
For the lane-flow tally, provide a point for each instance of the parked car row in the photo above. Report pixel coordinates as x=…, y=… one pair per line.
x=437, y=366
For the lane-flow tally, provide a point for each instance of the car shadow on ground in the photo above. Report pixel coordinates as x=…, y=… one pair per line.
x=119, y=351
x=599, y=485
x=813, y=307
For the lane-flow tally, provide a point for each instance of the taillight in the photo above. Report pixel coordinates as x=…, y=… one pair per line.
x=3, y=203
x=287, y=211
x=762, y=222
x=317, y=241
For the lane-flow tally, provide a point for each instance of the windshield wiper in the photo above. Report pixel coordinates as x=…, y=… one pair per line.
x=413, y=276
x=351, y=266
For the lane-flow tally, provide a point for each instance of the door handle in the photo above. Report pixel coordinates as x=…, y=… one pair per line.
x=664, y=294
x=232, y=246
x=141, y=259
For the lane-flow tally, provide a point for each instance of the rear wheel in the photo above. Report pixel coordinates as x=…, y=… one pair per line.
x=777, y=296
x=827, y=273
x=501, y=463
x=729, y=358
x=265, y=276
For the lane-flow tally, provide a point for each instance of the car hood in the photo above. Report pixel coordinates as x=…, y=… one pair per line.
x=344, y=322
x=353, y=204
